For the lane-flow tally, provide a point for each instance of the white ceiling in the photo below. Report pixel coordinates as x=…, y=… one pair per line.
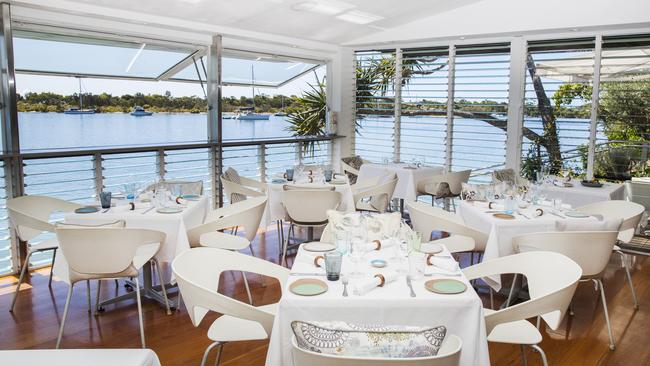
x=330, y=21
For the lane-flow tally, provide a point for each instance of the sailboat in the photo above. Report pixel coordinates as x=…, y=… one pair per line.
x=249, y=113
x=281, y=113
x=79, y=110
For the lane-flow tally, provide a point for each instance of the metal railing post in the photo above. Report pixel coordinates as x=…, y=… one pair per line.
x=451, y=87
x=99, y=173
x=397, y=134
x=595, y=95
x=261, y=161
x=160, y=163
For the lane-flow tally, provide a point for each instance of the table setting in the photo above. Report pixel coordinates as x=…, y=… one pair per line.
x=372, y=273
x=408, y=175
x=575, y=191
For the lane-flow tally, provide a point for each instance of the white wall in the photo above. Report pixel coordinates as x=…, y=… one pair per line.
x=517, y=17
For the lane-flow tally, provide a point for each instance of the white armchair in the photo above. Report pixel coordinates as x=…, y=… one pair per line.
x=374, y=198
x=446, y=185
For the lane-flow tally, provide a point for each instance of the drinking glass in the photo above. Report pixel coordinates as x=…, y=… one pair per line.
x=333, y=261
x=342, y=240
x=414, y=241
x=176, y=190
x=417, y=263
x=328, y=175
x=289, y=174
x=160, y=197
x=105, y=199
x=557, y=204
x=357, y=252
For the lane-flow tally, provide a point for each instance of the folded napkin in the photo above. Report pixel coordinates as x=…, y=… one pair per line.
x=379, y=280
x=443, y=263
x=317, y=261
x=127, y=207
x=380, y=244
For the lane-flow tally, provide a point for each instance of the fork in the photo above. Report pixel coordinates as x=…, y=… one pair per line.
x=410, y=285
x=345, y=286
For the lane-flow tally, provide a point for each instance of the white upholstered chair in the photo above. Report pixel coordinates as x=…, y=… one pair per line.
x=237, y=188
x=552, y=280
x=631, y=214
x=591, y=250
x=29, y=217
x=247, y=214
x=184, y=186
x=374, y=198
x=447, y=186
x=448, y=355
x=107, y=253
x=80, y=357
x=426, y=219
x=307, y=208
x=198, y=270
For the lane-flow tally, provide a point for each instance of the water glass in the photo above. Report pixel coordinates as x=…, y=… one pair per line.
x=333, y=261
x=342, y=241
x=557, y=204
x=160, y=197
x=417, y=263
x=105, y=199
x=328, y=175
x=414, y=241
x=289, y=175
x=509, y=205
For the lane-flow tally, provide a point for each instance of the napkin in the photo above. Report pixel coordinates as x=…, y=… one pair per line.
x=364, y=286
x=443, y=263
x=127, y=207
x=383, y=244
x=310, y=260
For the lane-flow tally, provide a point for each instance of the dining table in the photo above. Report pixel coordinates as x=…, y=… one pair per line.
x=390, y=305
x=408, y=177
x=502, y=227
x=145, y=216
x=578, y=195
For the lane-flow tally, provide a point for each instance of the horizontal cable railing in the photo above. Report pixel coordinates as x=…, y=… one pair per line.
x=6, y=258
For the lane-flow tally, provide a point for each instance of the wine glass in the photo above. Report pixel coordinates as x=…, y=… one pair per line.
x=357, y=249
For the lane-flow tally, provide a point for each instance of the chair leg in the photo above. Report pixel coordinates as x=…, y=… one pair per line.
x=248, y=289
x=524, y=361
x=629, y=280
x=286, y=246
x=90, y=307
x=491, y=298
x=541, y=354
x=99, y=288
x=137, y=296
x=207, y=352
x=65, y=315
x=49, y=284
x=23, y=271
x=539, y=322
x=162, y=285
x=216, y=363
x=512, y=290
x=612, y=346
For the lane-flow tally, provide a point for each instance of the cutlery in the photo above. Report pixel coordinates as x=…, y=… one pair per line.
x=494, y=211
x=147, y=210
x=557, y=214
x=345, y=286
x=410, y=285
x=306, y=274
x=106, y=210
x=524, y=215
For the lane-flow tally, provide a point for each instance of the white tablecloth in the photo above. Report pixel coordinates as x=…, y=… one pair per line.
x=462, y=314
x=174, y=225
x=80, y=357
x=408, y=179
x=502, y=231
x=579, y=195
x=275, y=209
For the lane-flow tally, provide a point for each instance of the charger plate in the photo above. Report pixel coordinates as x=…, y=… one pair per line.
x=576, y=214
x=169, y=210
x=503, y=216
x=318, y=247
x=308, y=287
x=431, y=248
x=191, y=197
x=86, y=210
x=445, y=286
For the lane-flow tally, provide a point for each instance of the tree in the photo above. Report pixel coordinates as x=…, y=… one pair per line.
x=309, y=115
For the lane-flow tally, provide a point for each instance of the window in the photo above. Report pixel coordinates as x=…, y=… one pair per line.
x=557, y=104
x=481, y=80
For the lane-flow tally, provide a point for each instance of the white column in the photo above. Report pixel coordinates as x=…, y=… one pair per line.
x=594, y=108
x=516, y=90
x=451, y=87
x=397, y=85
x=341, y=85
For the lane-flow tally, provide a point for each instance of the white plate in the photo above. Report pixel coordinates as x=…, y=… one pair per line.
x=318, y=247
x=169, y=210
x=576, y=214
x=338, y=181
x=431, y=248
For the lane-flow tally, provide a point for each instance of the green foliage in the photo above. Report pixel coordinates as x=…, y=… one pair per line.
x=308, y=115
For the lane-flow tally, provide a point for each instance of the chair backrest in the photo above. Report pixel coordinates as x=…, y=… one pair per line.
x=448, y=355
x=308, y=206
x=380, y=194
x=590, y=249
x=307, y=187
x=426, y=219
x=30, y=215
x=638, y=192
x=247, y=214
x=455, y=181
x=186, y=187
x=93, y=251
x=630, y=212
x=552, y=280
x=198, y=270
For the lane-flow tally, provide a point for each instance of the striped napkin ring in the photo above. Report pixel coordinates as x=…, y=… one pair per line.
x=131, y=206
x=490, y=205
x=429, y=256
x=317, y=259
x=539, y=211
x=311, y=179
x=382, y=279
x=178, y=200
x=378, y=244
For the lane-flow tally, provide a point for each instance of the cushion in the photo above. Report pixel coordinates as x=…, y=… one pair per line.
x=356, y=162
x=475, y=192
x=116, y=224
x=352, y=340
x=231, y=175
x=588, y=225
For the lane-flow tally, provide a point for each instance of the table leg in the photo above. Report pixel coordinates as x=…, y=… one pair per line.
x=148, y=291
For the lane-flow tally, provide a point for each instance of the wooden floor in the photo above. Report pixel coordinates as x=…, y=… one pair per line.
x=582, y=339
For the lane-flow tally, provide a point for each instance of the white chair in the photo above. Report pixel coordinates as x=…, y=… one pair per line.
x=591, y=250
x=307, y=208
x=198, y=270
x=509, y=176
x=184, y=187
x=246, y=214
x=29, y=217
x=374, y=198
x=639, y=192
x=350, y=166
x=80, y=357
x=631, y=214
x=237, y=188
x=447, y=186
x=107, y=253
x=552, y=281
x=426, y=219
x=448, y=355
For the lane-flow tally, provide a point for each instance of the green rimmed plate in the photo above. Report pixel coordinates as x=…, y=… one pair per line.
x=308, y=287
x=318, y=247
x=169, y=210
x=191, y=197
x=445, y=286
x=86, y=210
x=576, y=214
